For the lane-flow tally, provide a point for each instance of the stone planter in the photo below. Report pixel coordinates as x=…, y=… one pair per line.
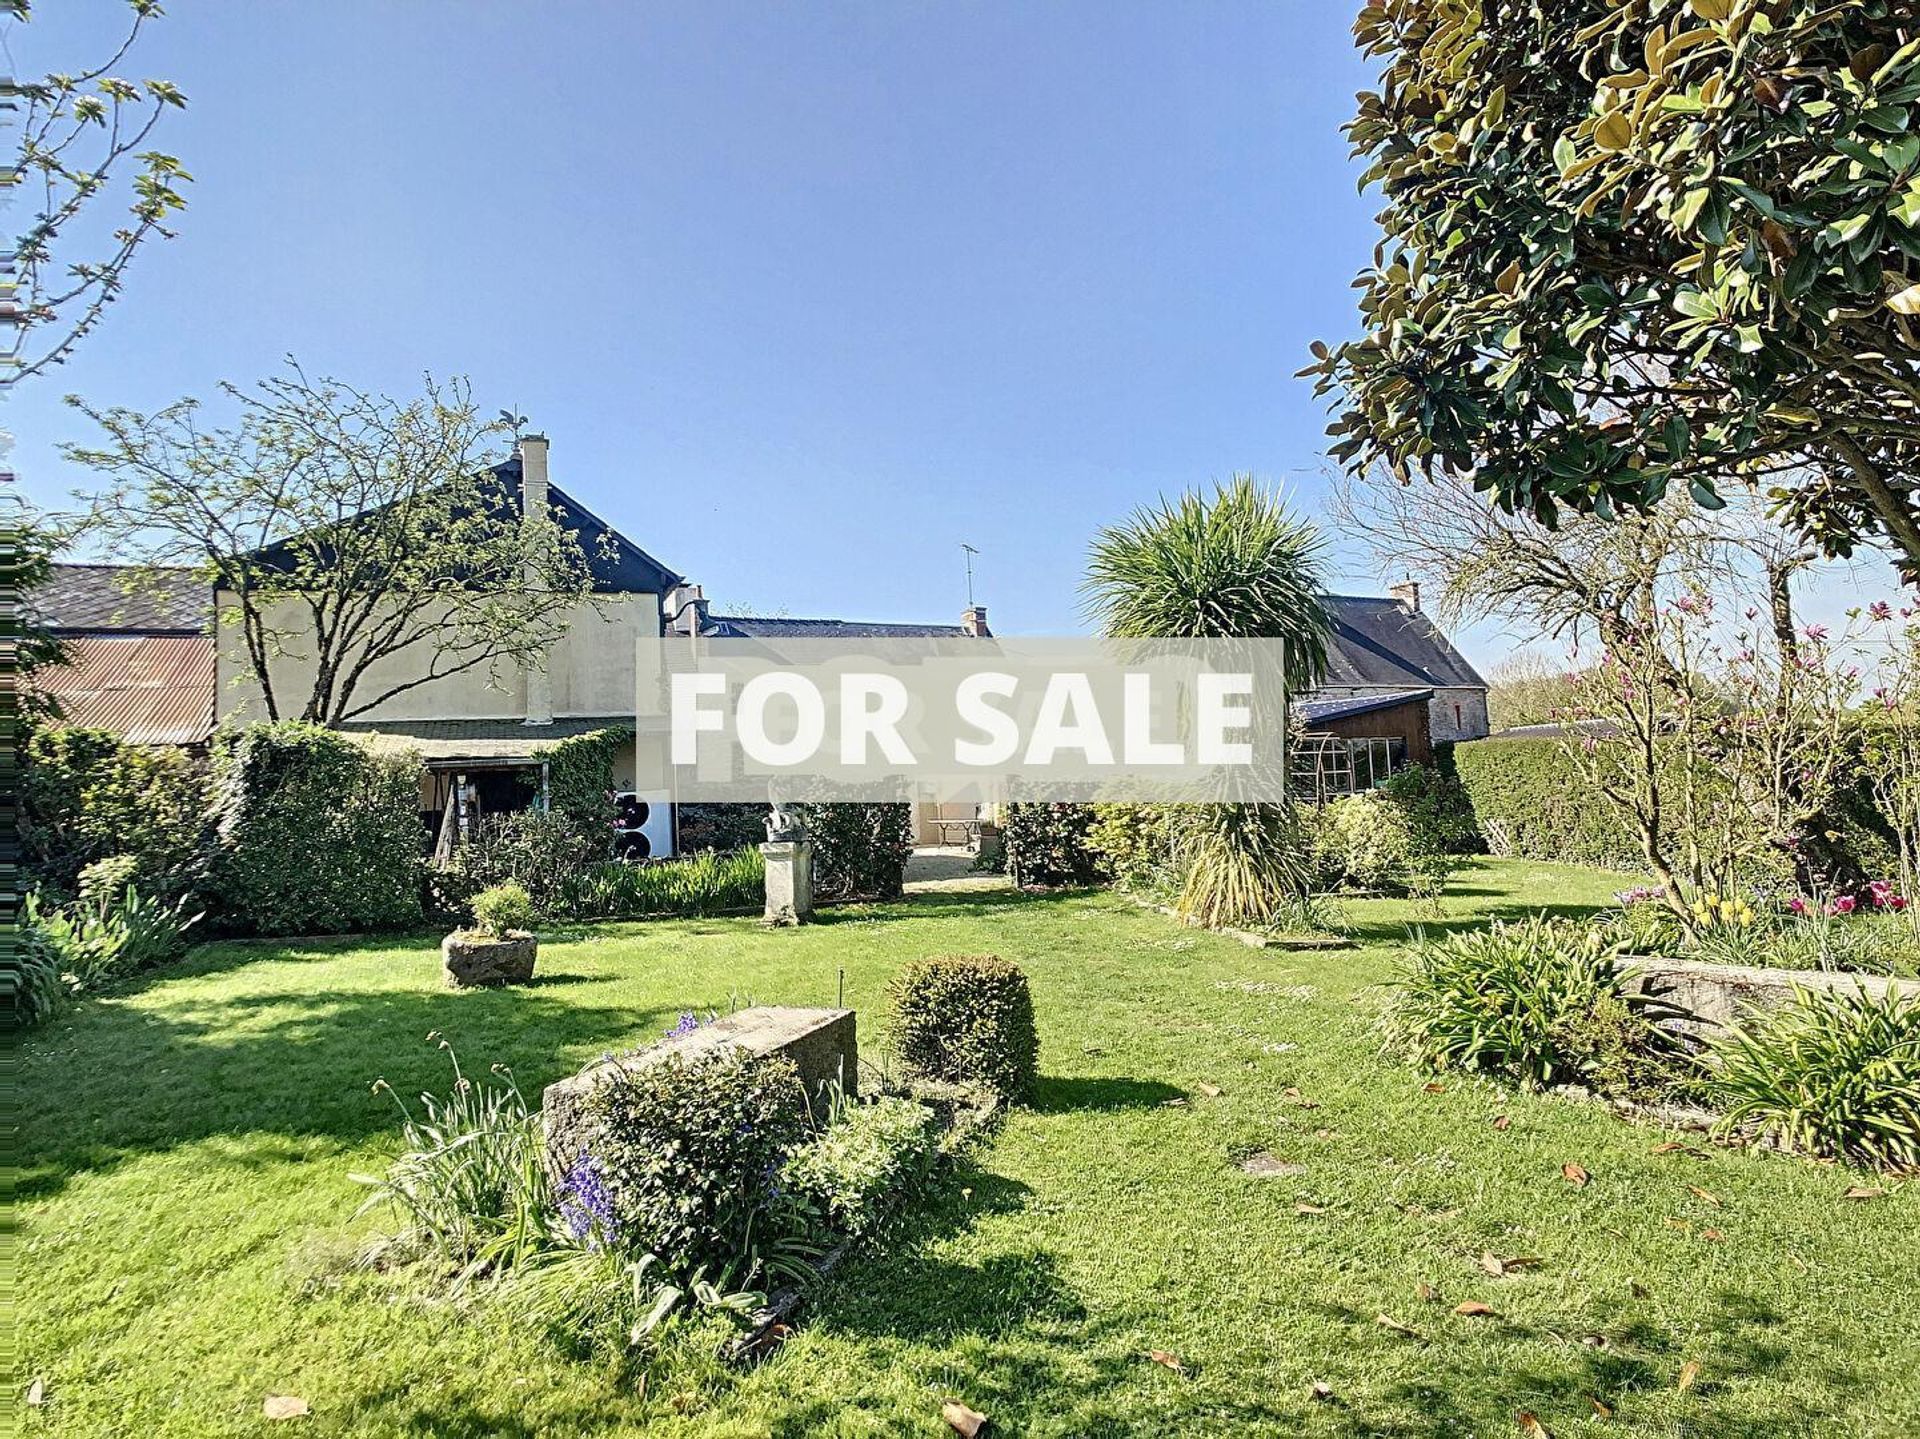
x=470, y=960
x=1711, y=997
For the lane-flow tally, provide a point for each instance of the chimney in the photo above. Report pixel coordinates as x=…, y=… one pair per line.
x=973, y=619
x=534, y=511
x=1408, y=593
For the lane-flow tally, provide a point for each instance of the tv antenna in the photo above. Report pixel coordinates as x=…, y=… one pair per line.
x=971, y=552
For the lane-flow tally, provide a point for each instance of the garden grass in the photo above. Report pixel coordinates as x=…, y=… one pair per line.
x=186, y=1211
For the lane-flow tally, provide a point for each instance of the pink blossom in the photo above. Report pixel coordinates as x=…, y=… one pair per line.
x=1880, y=610
x=1815, y=632
x=1846, y=904
x=1796, y=905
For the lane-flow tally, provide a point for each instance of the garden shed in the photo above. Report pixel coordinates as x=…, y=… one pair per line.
x=1356, y=742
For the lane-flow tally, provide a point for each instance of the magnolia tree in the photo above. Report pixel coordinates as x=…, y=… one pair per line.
x=1890, y=744
x=340, y=527
x=1641, y=249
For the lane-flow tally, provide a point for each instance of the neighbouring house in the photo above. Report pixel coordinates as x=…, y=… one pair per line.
x=1395, y=687
x=158, y=671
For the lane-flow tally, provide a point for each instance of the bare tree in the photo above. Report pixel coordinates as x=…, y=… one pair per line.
x=342, y=527
x=80, y=133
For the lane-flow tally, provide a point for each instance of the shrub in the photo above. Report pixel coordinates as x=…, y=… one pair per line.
x=701, y=884
x=317, y=834
x=967, y=1018
x=1539, y=1001
x=682, y=1153
x=107, y=935
x=470, y=1177
x=1135, y=844
x=868, y=1159
x=502, y=909
x=1050, y=844
x=580, y=784
x=859, y=850
x=723, y=827
x=1363, y=841
x=543, y=851
x=85, y=795
x=1439, y=824
x=1830, y=1074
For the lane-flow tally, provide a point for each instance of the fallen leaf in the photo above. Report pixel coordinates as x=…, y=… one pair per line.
x=1493, y=1264
x=1167, y=1360
x=1531, y=1426
x=1704, y=1194
x=1387, y=1321
x=1673, y=1223
x=1639, y=1290
x=1175, y=1103
x=1860, y=1191
x=1496, y=1266
x=1575, y=1175
x=1672, y=1146
x=1305, y=1208
x=1501, y=1121
x=1434, y=1087
x=285, y=1406
x=1604, y=1410
x=1321, y=1393
x=36, y=1392
x=1425, y=1292
x=1474, y=1309
x=1689, y=1372
x=962, y=1420
x=1715, y=1235
x=1211, y=1091
x=1594, y=1341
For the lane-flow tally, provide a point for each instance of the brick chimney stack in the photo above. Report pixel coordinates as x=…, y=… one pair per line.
x=534, y=510
x=1408, y=593
x=973, y=619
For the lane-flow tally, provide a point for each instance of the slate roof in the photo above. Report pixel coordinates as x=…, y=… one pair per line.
x=755, y=628
x=1380, y=641
x=1321, y=711
x=149, y=689
x=617, y=564
x=92, y=599
x=502, y=740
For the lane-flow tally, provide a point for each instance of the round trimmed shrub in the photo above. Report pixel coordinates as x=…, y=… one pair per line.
x=967, y=1018
x=502, y=909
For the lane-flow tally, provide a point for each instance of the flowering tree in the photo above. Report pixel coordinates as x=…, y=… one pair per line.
x=79, y=135
x=1890, y=744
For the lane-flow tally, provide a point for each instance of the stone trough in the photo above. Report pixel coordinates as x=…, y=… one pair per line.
x=1713, y=996
x=819, y=1042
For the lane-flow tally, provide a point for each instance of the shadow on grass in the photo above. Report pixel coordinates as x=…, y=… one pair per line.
x=1061, y=1094
x=1611, y=1353
x=110, y=1081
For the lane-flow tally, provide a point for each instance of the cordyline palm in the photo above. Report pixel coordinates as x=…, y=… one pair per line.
x=1236, y=564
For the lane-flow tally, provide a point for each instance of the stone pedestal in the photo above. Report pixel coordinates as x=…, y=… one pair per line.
x=992, y=850
x=820, y=1042
x=789, y=881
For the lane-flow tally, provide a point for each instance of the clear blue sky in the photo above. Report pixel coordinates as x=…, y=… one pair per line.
x=804, y=294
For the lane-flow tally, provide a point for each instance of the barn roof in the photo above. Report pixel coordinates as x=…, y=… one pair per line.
x=1382, y=641
x=149, y=689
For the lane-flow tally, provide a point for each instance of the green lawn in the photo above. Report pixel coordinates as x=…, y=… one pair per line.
x=185, y=1200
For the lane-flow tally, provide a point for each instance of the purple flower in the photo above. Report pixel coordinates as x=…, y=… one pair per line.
x=1815, y=632
x=586, y=1206
x=685, y=1025
x=1880, y=610
x=1846, y=904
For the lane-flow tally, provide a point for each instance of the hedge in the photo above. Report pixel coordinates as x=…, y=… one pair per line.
x=1530, y=801
x=315, y=834
x=86, y=796
x=859, y=850
x=580, y=781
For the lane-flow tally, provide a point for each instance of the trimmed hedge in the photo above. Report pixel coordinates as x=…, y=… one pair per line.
x=315, y=833
x=967, y=1019
x=1530, y=801
x=580, y=782
x=87, y=796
